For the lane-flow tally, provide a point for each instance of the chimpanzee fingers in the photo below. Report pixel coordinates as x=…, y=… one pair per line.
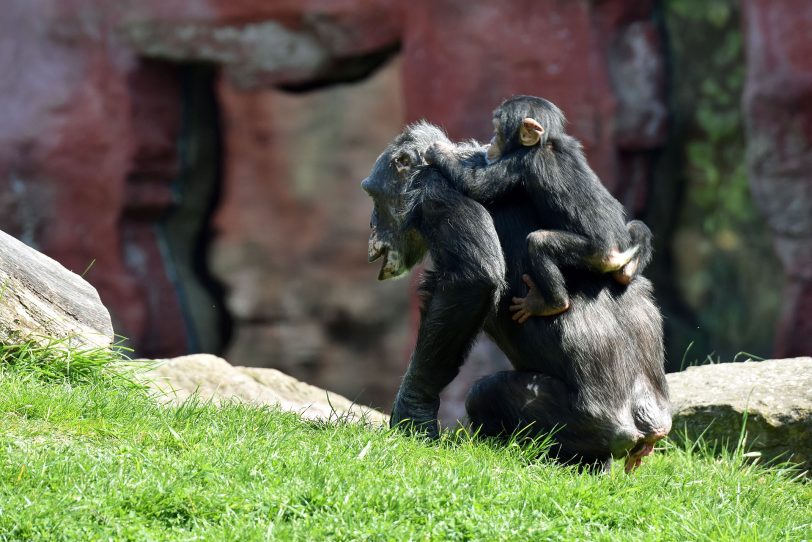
x=631, y=269
x=522, y=316
x=434, y=152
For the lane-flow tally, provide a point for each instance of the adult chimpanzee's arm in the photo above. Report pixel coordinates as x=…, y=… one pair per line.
x=449, y=323
x=457, y=296
x=475, y=177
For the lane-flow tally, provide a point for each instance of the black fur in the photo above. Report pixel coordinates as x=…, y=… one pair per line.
x=596, y=369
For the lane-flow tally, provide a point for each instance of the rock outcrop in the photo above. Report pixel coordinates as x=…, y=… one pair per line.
x=776, y=396
x=42, y=301
x=212, y=378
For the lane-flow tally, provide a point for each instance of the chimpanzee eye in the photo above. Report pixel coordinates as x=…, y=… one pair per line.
x=403, y=160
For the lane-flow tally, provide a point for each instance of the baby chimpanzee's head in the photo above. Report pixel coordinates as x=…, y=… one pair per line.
x=524, y=121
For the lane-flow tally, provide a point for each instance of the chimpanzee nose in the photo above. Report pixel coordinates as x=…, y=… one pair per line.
x=366, y=184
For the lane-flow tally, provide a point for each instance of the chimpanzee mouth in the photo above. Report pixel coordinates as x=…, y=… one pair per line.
x=392, y=265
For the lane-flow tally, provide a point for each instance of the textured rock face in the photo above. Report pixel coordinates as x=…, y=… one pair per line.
x=59, y=192
x=778, y=108
x=212, y=379
x=42, y=301
x=84, y=171
x=775, y=394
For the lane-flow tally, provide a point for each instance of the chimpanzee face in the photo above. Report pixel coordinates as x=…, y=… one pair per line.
x=400, y=247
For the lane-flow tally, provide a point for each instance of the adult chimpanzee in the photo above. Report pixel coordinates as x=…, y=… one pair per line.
x=583, y=225
x=595, y=371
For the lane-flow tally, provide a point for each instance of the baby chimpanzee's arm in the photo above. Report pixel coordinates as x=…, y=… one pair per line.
x=472, y=175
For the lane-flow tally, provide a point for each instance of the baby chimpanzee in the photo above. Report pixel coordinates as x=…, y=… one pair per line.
x=584, y=226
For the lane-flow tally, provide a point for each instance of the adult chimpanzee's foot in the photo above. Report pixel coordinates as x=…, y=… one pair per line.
x=533, y=304
x=644, y=448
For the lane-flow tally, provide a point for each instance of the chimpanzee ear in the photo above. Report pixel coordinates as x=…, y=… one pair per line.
x=403, y=162
x=530, y=132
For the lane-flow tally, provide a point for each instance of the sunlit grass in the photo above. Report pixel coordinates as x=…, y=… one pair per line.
x=86, y=456
x=54, y=360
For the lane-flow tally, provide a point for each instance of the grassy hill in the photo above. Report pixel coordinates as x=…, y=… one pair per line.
x=86, y=455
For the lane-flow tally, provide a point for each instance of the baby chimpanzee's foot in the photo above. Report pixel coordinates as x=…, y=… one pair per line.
x=615, y=261
x=533, y=304
x=625, y=274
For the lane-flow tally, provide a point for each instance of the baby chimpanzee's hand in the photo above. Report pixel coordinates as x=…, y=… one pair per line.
x=437, y=149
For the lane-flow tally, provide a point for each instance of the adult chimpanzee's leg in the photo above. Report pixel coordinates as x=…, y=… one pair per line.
x=450, y=320
x=532, y=404
x=509, y=401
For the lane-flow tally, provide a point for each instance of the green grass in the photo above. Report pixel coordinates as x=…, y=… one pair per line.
x=86, y=455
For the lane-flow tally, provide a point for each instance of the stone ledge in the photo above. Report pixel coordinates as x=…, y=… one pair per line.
x=213, y=379
x=776, y=395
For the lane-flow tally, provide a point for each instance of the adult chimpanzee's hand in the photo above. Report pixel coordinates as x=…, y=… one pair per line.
x=415, y=417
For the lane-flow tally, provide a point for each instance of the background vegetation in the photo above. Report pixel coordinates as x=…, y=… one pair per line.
x=717, y=276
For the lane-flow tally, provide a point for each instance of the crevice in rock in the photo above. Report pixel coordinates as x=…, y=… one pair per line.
x=187, y=231
x=346, y=70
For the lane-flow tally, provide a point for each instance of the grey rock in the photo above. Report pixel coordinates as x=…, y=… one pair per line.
x=775, y=394
x=42, y=301
x=213, y=378
x=246, y=51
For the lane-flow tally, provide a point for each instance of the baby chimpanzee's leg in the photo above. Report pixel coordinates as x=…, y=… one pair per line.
x=548, y=250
